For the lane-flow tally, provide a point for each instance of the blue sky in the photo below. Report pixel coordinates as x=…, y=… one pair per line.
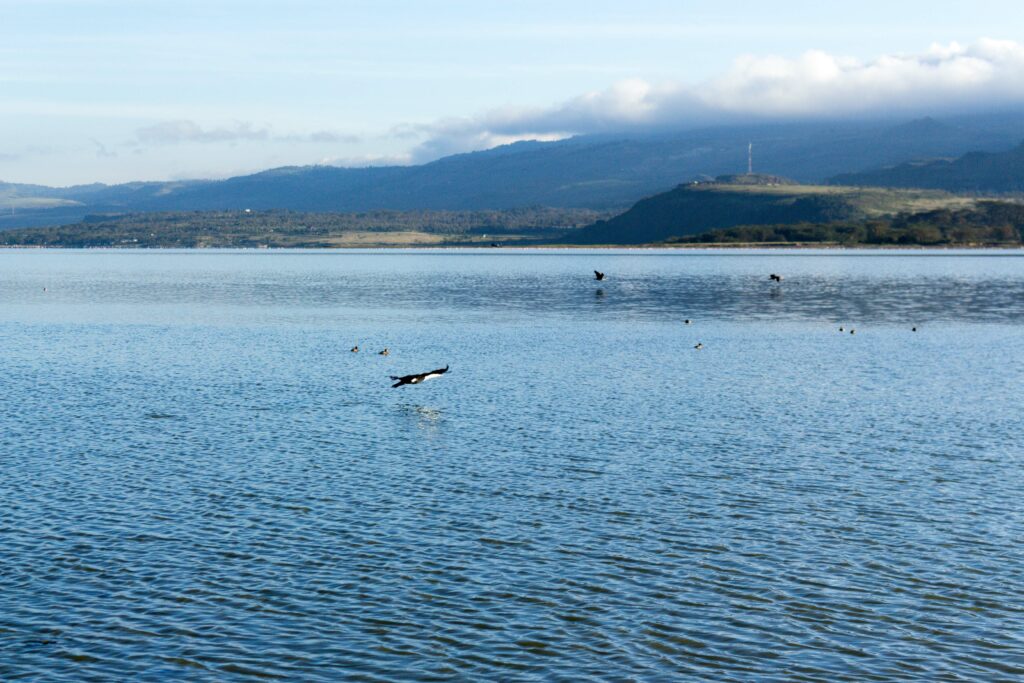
x=112, y=90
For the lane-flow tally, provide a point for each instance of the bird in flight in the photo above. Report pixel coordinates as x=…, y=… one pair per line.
x=417, y=379
x=598, y=275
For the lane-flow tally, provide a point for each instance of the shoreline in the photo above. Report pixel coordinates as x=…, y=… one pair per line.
x=710, y=246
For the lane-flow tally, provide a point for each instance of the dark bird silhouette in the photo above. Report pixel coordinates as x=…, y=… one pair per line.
x=355, y=349
x=416, y=379
x=913, y=329
x=777, y=278
x=598, y=275
x=383, y=353
x=853, y=331
x=699, y=346
x=842, y=330
x=686, y=322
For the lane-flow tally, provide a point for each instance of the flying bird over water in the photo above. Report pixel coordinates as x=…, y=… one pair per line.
x=598, y=275
x=417, y=379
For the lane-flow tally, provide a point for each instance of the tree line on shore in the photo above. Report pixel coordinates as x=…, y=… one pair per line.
x=987, y=223
x=292, y=228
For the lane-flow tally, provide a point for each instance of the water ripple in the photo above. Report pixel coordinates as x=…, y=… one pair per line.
x=230, y=494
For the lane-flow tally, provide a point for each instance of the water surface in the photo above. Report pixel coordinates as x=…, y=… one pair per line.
x=201, y=482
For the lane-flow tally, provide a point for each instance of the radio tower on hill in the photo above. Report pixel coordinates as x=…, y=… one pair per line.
x=750, y=158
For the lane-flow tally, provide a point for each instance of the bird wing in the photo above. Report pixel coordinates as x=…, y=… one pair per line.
x=435, y=373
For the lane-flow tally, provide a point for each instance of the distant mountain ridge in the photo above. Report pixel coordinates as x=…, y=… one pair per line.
x=597, y=172
x=981, y=172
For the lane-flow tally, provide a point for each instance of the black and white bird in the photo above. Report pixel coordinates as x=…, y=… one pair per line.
x=355, y=349
x=385, y=352
x=777, y=278
x=686, y=322
x=598, y=275
x=699, y=346
x=417, y=379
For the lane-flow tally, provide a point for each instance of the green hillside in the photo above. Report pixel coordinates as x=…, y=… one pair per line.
x=700, y=207
x=988, y=223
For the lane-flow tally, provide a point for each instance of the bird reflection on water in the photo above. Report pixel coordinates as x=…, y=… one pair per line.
x=426, y=417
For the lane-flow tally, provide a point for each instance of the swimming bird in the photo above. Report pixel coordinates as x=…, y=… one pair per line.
x=416, y=379
x=777, y=278
x=385, y=352
x=842, y=330
x=853, y=331
x=686, y=322
x=913, y=329
x=699, y=346
x=355, y=349
x=598, y=275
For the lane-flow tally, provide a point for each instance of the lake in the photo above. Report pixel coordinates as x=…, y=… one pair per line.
x=202, y=482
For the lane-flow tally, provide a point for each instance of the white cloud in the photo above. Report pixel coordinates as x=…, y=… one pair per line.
x=943, y=79
x=367, y=160
x=187, y=131
x=176, y=132
x=102, y=151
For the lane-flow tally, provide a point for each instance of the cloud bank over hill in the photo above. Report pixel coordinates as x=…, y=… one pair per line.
x=945, y=79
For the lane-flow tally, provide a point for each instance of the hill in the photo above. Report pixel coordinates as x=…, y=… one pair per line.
x=699, y=207
x=988, y=223
x=598, y=172
x=981, y=172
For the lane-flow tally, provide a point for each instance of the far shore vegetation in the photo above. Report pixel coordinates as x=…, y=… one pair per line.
x=279, y=228
x=772, y=213
x=987, y=223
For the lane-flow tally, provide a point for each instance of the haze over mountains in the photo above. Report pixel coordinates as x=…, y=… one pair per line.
x=599, y=172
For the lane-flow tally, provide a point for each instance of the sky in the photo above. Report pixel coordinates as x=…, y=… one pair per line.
x=120, y=90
